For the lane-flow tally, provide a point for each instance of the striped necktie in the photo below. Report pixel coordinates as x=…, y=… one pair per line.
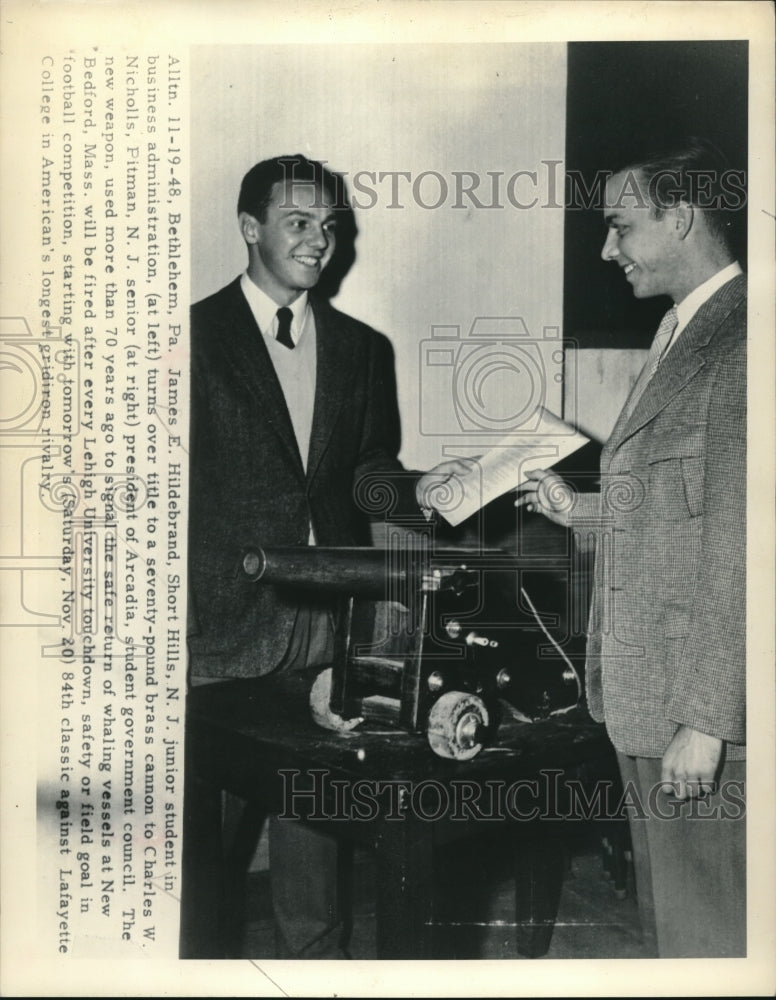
x=662, y=339
x=285, y=316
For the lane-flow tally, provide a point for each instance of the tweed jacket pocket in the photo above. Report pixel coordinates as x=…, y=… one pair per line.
x=680, y=441
x=692, y=476
x=676, y=470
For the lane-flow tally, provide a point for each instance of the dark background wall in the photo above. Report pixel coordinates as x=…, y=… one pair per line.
x=623, y=96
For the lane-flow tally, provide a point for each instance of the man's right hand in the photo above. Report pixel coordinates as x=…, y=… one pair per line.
x=431, y=481
x=548, y=494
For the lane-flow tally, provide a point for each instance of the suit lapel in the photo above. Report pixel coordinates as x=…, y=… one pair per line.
x=333, y=375
x=684, y=360
x=244, y=346
x=679, y=367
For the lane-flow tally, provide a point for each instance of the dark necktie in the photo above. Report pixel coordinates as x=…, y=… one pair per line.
x=284, y=327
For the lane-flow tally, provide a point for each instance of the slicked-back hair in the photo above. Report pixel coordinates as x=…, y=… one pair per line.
x=694, y=171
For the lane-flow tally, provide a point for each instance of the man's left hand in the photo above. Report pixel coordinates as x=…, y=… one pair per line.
x=690, y=763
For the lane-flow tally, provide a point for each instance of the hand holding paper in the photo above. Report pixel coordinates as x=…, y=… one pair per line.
x=435, y=485
x=507, y=466
x=548, y=494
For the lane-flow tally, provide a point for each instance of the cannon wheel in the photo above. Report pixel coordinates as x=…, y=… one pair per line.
x=456, y=725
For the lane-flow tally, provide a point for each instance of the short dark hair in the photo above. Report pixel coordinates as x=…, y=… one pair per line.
x=257, y=185
x=697, y=172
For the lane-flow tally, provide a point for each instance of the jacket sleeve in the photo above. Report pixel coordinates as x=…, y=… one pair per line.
x=381, y=485
x=585, y=520
x=709, y=689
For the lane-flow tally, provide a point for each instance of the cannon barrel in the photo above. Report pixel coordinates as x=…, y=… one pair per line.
x=364, y=571
x=369, y=572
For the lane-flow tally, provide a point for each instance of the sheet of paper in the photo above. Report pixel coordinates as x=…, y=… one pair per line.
x=505, y=465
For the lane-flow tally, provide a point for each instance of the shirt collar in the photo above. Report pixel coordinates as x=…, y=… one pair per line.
x=687, y=308
x=265, y=309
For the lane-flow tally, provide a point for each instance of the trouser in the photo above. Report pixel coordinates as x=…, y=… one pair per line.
x=304, y=873
x=303, y=866
x=690, y=862
x=303, y=861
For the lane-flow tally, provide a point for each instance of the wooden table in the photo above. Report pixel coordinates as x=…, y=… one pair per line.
x=255, y=739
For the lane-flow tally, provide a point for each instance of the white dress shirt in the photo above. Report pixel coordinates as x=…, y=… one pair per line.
x=690, y=304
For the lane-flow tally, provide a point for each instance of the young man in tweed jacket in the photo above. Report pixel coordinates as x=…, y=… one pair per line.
x=667, y=630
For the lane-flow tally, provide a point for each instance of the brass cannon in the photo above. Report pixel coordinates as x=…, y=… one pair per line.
x=434, y=641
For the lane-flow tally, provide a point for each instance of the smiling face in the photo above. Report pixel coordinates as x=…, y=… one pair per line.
x=289, y=249
x=644, y=243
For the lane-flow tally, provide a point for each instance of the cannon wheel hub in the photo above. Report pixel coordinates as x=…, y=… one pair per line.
x=456, y=725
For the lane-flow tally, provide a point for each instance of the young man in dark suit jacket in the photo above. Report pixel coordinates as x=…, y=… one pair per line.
x=293, y=403
x=666, y=665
